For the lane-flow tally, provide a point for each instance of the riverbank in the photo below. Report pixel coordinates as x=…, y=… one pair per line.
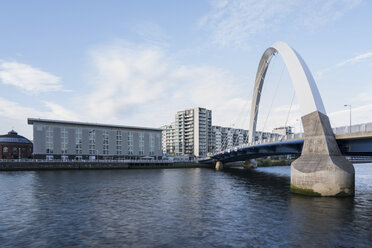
x=273, y=162
x=93, y=165
x=263, y=162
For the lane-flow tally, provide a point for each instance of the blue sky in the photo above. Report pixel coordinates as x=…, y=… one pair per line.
x=138, y=62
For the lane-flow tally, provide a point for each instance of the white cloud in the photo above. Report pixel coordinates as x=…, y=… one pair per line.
x=355, y=59
x=359, y=58
x=13, y=110
x=30, y=79
x=236, y=22
x=14, y=114
x=144, y=86
x=360, y=114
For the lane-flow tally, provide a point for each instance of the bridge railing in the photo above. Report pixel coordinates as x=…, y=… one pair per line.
x=365, y=127
x=358, y=128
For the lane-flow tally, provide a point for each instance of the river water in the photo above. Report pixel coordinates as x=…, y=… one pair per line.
x=178, y=208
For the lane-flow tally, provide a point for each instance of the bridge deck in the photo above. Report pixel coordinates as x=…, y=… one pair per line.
x=350, y=144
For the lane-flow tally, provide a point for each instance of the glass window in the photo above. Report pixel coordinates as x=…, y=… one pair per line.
x=64, y=140
x=79, y=141
x=49, y=139
x=141, y=144
x=119, y=139
x=92, y=142
x=105, y=142
x=130, y=143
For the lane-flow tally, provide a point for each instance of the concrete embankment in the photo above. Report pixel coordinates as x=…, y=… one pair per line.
x=54, y=165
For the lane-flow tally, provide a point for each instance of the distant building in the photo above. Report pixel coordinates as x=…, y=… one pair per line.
x=168, y=139
x=193, y=132
x=64, y=140
x=227, y=137
x=190, y=134
x=14, y=146
x=283, y=130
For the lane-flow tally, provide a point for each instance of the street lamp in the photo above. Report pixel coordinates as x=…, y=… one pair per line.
x=349, y=105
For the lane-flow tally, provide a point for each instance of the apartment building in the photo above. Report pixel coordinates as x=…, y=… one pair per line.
x=190, y=134
x=168, y=139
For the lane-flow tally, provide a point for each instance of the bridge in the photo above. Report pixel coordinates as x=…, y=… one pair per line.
x=322, y=168
x=357, y=142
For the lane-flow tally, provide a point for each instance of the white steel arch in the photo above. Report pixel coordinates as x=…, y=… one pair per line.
x=302, y=79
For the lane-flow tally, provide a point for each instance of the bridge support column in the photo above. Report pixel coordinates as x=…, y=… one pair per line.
x=321, y=169
x=219, y=165
x=250, y=164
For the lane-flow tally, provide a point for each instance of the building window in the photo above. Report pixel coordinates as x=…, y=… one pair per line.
x=141, y=144
x=5, y=149
x=152, y=144
x=130, y=143
x=79, y=141
x=92, y=142
x=64, y=140
x=49, y=140
x=119, y=139
x=105, y=142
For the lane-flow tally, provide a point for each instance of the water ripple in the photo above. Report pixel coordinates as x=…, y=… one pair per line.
x=180, y=207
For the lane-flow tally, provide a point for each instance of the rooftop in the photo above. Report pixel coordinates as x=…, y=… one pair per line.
x=13, y=137
x=31, y=121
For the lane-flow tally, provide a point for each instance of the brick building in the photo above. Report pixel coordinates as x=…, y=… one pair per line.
x=14, y=146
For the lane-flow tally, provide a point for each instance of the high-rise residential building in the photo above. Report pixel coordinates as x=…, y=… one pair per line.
x=168, y=139
x=192, y=132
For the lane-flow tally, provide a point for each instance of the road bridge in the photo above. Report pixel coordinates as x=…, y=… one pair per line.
x=358, y=143
x=322, y=168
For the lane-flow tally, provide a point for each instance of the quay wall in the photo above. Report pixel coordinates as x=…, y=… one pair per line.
x=60, y=165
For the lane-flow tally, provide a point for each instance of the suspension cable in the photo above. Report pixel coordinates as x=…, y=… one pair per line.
x=290, y=107
x=244, y=109
x=272, y=102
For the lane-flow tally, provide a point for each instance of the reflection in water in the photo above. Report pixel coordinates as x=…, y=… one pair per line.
x=178, y=207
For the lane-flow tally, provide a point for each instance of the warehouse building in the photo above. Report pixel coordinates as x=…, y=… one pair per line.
x=68, y=140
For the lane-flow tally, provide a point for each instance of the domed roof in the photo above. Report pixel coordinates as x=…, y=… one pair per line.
x=13, y=137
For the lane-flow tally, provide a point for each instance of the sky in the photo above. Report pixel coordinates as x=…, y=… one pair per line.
x=139, y=62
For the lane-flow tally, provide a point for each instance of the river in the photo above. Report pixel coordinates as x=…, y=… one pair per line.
x=178, y=208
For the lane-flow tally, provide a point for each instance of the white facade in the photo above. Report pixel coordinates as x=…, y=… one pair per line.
x=168, y=139
x=193, y=132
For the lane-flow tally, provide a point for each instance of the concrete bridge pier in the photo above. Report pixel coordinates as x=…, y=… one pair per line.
x=219, y=165
x=321, y=169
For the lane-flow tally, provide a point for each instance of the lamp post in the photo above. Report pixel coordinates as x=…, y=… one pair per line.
x=349, y=105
